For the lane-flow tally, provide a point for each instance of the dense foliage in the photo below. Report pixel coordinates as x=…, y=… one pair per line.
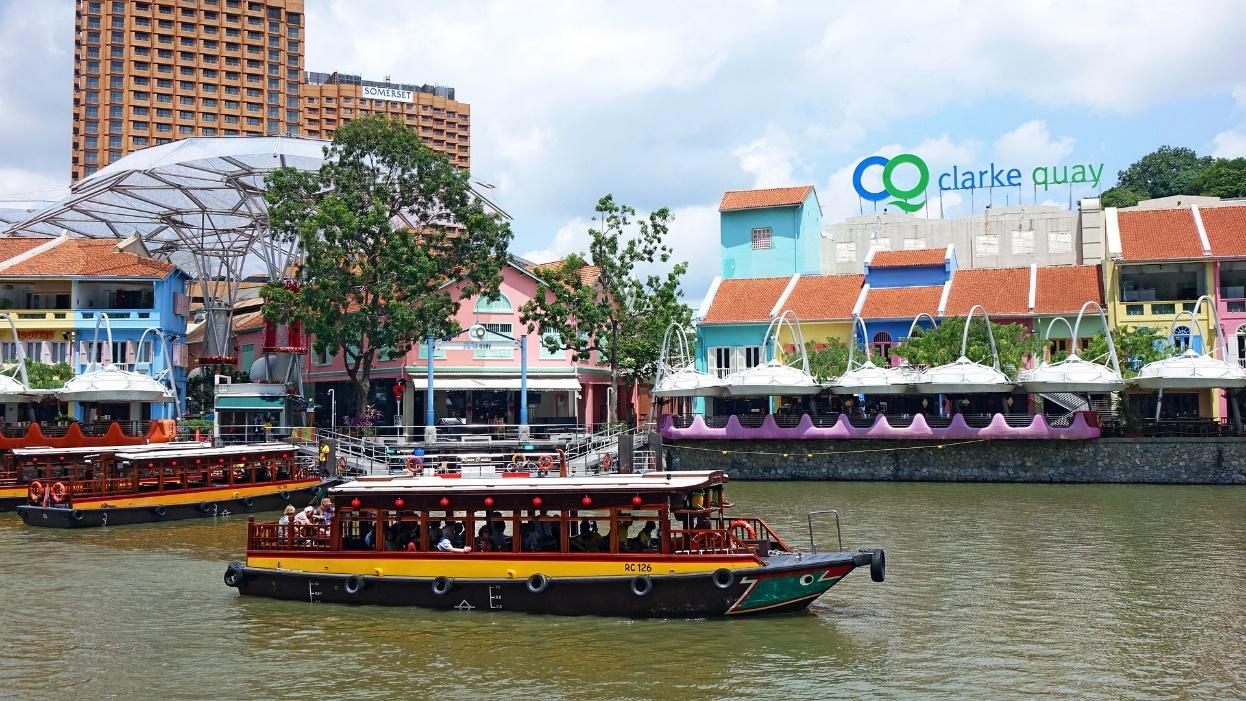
x=1176, y=170
x=831, y=359
x=44, y=376
x=942, y=344
x=371, y=281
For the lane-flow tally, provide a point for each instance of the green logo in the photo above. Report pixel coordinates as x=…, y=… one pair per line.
x=902, y=197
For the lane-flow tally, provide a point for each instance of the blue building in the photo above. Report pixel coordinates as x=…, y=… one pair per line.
x=899, y=286
x=770, y=233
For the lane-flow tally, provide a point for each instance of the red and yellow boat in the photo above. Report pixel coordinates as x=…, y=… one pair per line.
x=651, y=545
x=144, y=485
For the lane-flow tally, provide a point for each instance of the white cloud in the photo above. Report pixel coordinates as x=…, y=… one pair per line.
x=768, y=159
x=1230, y=143
x=571, y=237
x=19, y=186
x=1031, y=144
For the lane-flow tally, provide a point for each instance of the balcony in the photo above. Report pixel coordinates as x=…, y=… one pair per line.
x=117, y=318
x=1165, y=309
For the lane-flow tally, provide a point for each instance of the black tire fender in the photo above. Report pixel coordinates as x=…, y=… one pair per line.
x=878, y=565
x=537, y=583
x=77, y=515
x=354, y=584
x=723, y=578
x=285, y=496
x=234, y=575
x=248, y=502
x=442, y=585
x=642, y=585
x=159, y=511
x=205, y=507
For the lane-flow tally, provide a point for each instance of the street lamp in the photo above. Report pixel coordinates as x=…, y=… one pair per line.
x=332, y=410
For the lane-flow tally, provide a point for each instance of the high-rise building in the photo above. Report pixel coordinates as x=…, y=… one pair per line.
x=149, y=72
x=333, y=99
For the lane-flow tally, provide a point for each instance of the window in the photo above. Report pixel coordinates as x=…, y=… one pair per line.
x=882, y=344
x=498, y=304
x=1181, y=337
x=499, y=335
x=986, y=244
x=321, y=357
x=761, y=238
x=880, y=243
x=247, y=357
x=1023, y=242
x=546, y=353
x=726, y=359
x=1060, y=242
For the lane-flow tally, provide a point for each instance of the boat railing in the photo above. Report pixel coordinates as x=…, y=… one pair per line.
x=274, y=536
x=708, y=541
x=94, y=480
x=752, y=531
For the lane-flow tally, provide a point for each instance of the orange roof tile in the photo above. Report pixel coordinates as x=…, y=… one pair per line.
x=248, y=321
x=88, y=258
x=16, y=245
x=901, y=302
x=1063, y=289
x=745, y=299
x=824, y=297
x=1001, y=291
x=1159, y=234
x=1226, y=229
x=588, y=273
x=756, y=199
x=903, y=259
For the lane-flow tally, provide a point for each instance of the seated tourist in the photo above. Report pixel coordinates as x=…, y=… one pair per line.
x=644, y=539
x=326, y=509
x=446, y=545
x=484, y=539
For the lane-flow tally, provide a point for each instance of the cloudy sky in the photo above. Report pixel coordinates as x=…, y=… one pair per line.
x=671, y=103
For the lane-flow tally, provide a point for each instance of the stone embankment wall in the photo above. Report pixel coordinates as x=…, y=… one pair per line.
x=1120, y=460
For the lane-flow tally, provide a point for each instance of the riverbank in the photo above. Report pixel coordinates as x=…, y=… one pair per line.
x=1106, y=460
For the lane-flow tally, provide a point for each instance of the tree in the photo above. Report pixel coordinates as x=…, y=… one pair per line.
x=831, y=360
x=201, y=388
x=1168, y=170
x=1122, y=197
x=619, y=312
x=941, y=345
x=44, y=376
x=1225, y=177
x=1135, y=346
x=369, y=281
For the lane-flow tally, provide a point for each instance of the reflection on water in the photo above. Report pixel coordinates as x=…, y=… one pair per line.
x=993, y=591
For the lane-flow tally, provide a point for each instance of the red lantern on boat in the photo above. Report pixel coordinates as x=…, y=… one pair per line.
x=244, y=458
x=174, y=463
x=198, y=461
x=536, y=501
x=151, y=464
x=399, y=502
x=220, y=461
x=587, y=500
x=636, y=500
x=444, y=501
x=488, y=501
x=355, y=502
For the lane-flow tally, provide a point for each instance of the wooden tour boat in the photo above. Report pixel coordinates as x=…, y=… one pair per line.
x=147, y=484
x=670, y=549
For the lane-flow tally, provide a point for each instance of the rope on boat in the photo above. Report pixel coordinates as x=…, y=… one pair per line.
x=810, y=454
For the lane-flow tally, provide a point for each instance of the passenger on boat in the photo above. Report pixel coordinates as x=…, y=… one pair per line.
x=484, y=539
x=326, y=510
x=285, y=520
x=621, y=531
x=498, y=530
x=304, y=517
x=644, y=538
x=446, y=543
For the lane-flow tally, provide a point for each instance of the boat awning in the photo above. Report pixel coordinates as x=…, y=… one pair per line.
x=535, y=384
x=252, y=403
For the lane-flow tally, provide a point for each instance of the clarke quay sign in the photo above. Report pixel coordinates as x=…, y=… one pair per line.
x=377, y=92
x=959, y=178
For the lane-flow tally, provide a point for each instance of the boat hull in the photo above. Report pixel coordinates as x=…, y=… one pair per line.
x=207, y=507
x=786, y=583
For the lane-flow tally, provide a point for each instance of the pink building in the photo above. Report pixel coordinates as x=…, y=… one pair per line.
x=481, y=385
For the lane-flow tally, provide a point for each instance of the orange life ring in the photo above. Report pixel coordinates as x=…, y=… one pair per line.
x=713, y=537
x=36, y=490
x=59, y=491
x=415, y=465
x=545, y=462
x=748, y=528
x=605, y=461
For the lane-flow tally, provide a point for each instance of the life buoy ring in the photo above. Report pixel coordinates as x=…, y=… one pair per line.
x=537, y=583
x=59, y=491
x=606, y=460
x=642, y=585
x=441, y=585
x=748, y=528
x=545, y=462
x=415, y=465
x=723, y=578
x=285, y=496
x=517, y=461
x=354, y=584
x=706, y=540
x=36, y=491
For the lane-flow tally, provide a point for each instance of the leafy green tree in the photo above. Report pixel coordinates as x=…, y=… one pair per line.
x=201, y=388
x=1122, y=197
x=1225, y=177
x=621, y=310
x=369, y=280
x=941, y=345
x=44, y=376
x=831, y=360
x=1168, y=170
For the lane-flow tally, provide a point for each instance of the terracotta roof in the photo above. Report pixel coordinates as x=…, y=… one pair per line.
x=1159, y=234
x=756, y=199
x=901, y=302
x=588, y=273
x=824, y=297
x=1226, y=229
x=1063, y=289
x=903, y=259
x=16, y=245
x=248, y=321
x=745, y=299
x=1001, y=291
x=88, y=257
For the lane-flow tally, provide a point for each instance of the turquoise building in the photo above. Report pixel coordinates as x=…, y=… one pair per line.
x=770, y=233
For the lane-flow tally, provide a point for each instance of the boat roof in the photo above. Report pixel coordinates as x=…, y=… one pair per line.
x=141, y=452
x=649, y=481
x=92, y=450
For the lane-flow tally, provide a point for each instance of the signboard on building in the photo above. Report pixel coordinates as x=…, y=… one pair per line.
x=392, y=94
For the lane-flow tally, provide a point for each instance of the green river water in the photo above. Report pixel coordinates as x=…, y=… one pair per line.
x=993, y=592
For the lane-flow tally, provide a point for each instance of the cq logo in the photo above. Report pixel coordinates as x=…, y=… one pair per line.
x=889, y=166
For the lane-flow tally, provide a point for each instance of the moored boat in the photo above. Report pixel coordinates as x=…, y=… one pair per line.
x=150, y=485
x=670, y=548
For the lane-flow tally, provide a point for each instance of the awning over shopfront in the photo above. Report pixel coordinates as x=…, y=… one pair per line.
x=250, y=403
x=535, y=384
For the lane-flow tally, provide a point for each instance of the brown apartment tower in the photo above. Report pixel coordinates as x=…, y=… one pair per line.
x=150, y=72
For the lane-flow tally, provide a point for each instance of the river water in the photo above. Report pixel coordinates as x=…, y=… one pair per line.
x=993, y=591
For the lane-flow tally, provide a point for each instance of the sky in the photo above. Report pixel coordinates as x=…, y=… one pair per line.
x=669, y=104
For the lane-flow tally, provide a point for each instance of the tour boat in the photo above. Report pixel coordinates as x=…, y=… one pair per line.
x=20, y=465
x=669, y=549
x=143, y=485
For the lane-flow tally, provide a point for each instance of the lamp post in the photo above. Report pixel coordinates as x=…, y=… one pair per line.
x=332, y=409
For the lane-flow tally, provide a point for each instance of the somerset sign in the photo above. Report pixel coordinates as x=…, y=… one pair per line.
x=392, y=94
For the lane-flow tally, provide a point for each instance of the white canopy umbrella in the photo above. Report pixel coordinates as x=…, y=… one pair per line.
x=1074, y=374
x=677, y=374
x=106, y=382
x=964, y=376
x=1191, y=369
x=775, y=376
x=868, y=378
x=10, y=389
